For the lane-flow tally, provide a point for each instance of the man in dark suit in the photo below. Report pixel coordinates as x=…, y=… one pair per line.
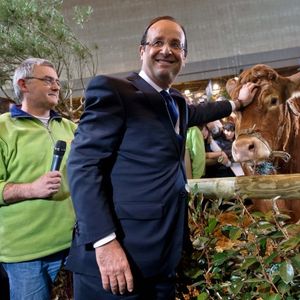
x=127, y=177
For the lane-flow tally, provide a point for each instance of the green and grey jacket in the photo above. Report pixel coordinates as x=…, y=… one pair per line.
x=33, y=228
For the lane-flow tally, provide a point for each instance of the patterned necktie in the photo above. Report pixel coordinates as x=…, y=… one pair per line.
x=172, y=108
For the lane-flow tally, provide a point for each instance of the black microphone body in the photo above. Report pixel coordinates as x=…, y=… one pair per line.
x=59, y=151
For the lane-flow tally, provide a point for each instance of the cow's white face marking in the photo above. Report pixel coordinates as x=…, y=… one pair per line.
x=250, y=149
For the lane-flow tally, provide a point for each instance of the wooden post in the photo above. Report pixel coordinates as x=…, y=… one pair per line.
x=286, y=186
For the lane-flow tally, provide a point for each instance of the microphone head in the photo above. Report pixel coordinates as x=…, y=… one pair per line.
x=60, y=148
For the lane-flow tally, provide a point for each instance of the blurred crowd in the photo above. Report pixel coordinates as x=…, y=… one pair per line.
x=208, y=149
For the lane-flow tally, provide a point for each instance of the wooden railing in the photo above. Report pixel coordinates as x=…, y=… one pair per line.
x=286, y=186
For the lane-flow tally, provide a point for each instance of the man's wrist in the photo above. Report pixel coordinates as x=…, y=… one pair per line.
x=238, y=104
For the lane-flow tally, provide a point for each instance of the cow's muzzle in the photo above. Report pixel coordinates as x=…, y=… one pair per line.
x=249, y=145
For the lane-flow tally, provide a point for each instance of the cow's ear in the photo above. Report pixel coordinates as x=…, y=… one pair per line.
x=231, y=84
x=295, y=78
x=294, y=84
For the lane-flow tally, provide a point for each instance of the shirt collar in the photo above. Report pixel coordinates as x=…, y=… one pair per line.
x=148, y=80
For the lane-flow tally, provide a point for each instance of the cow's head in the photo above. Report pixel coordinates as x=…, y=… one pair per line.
x=264, y=128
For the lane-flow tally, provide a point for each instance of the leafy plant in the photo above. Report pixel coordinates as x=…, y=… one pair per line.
x=237, y=254
x=37, y=28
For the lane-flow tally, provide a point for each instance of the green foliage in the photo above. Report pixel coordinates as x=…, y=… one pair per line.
x=239, y=255
x=36, y=28
x=82, y=14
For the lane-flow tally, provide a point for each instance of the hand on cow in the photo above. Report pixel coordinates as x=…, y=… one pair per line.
x=114, y=268
x=247, y=93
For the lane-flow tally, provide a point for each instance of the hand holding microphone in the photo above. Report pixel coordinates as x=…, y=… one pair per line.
x=49, y=183
x=54, y=179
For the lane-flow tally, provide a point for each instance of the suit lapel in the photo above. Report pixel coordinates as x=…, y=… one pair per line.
x=156, y=103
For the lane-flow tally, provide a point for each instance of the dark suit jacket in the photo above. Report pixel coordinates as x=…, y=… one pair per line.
x=126, y=173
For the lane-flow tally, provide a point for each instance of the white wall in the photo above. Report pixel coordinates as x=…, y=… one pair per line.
x=224, y=36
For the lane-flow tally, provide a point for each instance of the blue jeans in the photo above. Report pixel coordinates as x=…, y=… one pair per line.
x=31, y=280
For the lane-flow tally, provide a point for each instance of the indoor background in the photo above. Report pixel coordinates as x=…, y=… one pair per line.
x=224, y=37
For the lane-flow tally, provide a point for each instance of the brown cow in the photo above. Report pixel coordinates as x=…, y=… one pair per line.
x=267, y=131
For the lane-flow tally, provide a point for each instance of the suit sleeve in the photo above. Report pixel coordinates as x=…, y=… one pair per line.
x=208, y=112
x=96, y=141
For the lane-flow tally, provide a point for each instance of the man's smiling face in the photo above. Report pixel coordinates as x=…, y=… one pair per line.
x=162, y=64
x=41, y=94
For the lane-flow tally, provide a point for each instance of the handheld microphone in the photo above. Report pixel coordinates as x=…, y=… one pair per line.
x=59, y=151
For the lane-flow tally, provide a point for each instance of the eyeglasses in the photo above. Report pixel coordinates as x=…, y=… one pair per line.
x=158, y=44
x=48, y=80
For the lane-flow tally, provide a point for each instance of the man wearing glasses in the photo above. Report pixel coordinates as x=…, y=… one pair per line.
x=127, y=177
x=36, y=214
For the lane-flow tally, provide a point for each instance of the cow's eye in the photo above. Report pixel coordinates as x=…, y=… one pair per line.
x=274, y=101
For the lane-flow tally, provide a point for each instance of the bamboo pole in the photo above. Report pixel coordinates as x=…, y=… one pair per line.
x=286, y=186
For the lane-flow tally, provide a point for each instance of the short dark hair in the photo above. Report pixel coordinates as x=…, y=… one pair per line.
x=169, y=18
